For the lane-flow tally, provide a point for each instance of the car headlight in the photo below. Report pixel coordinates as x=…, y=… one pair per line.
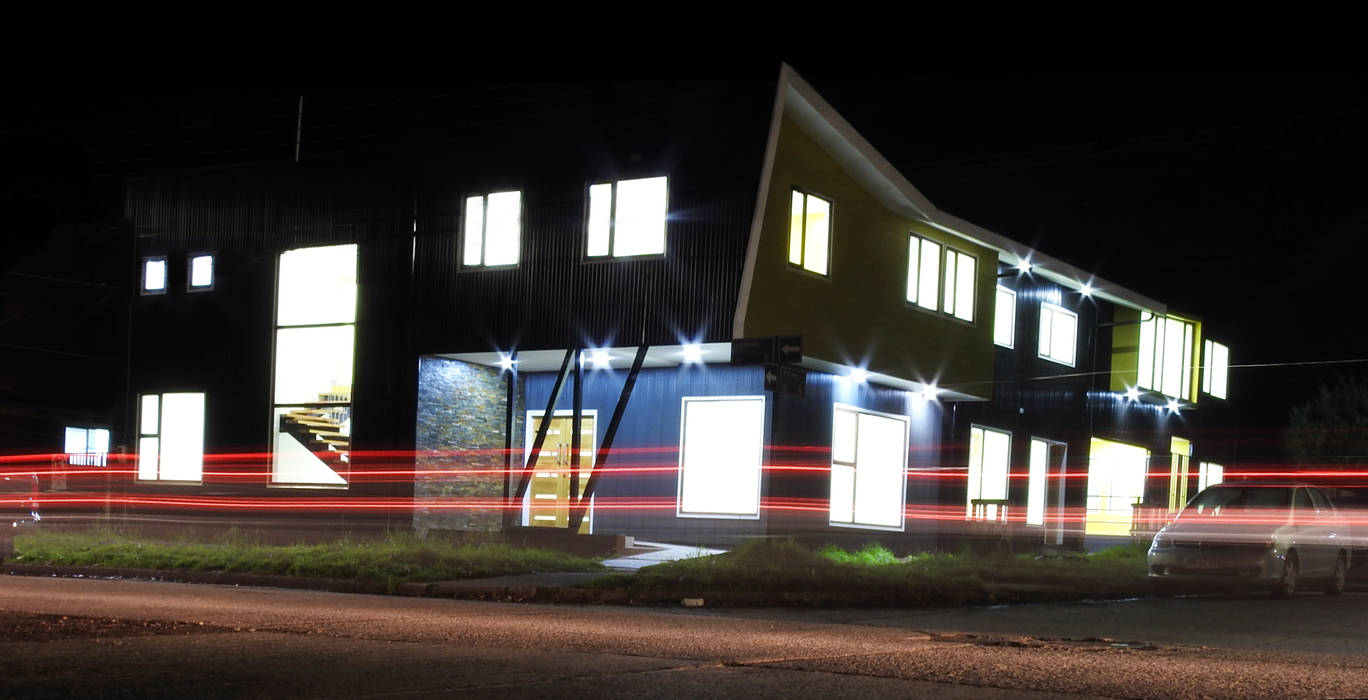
x=1162, y=542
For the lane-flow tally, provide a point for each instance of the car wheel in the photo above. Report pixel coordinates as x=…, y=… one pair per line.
x=1335, y=585
x=1286, y=587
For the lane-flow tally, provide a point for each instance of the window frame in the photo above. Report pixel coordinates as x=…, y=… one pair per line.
x=1011, y=317
x=684, y=402
x=1157, y=328
x=945, y=285
x=1220, y=368
x=160, y=436
x=830, y=231
x=933, y=305
x=853, y=464
x=142, y=276
x=484, y=231
x=190, y=271
x=1054, y=309
x=611, y=255
x=970, y=494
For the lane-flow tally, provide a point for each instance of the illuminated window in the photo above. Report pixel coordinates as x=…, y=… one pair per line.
x=1216, y=365
x=201, y=272
x=810, y=233
x=868, y=468
x=87, y=446
x=1004, y=317
x=1166, y=354
x=1209, y=474
x=154, y=276
x=990, y=453
x=1116, y=482
x=315, y=336
x=1058, y=334
x=958, y=299
x=493, y=228
x=627, y=218
x=721, y=442
x=923, y=272
x=171, y=437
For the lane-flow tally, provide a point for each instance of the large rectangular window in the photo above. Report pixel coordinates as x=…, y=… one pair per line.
x=810, y=233
x=171, y=437
x=1058, y=334
x=1166, y=355
x=493, y=229
x=958, y=299
x=627, y=218
x=868, y=468
x=314, y=341
x=721, y=447
x=1116, y=482
x=1004, y=317
x=1215, y=366
x=923, y=271
x=990, y=453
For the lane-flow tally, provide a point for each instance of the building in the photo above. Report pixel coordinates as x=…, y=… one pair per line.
x=750, y=321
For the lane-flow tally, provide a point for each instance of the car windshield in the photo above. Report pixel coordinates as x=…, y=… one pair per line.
x=1231, y=500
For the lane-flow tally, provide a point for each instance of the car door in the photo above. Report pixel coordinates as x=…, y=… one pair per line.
x=1331, y=527
x=1309, y=534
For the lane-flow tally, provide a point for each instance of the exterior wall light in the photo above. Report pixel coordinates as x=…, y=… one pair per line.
x=1086, y=290
x=929, y=392
x=506, y=362
x=1173, y=405
x=693, y=354
x=1132, y=394
x=858, y=375
x=599, y=359
x=1024, y=265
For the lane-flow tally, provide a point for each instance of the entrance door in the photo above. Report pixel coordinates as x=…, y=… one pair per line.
x=1180, y=452
x=1045, y=488
x=548, y=495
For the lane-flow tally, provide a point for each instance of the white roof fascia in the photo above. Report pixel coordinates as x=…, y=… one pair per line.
x=821, y=121
x=758, y=216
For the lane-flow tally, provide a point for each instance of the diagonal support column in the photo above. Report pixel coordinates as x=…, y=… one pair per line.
x=581, y=507
x=526, y=478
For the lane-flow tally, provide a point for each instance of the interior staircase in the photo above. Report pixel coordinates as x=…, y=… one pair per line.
x=320, y=429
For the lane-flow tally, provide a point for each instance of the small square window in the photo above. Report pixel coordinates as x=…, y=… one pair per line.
x=154, y=275
x=201, y=272
x=627, y=218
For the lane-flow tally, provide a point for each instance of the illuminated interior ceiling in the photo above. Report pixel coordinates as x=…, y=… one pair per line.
x=661, y=356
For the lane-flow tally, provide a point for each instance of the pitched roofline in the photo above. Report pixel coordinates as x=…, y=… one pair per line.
x=825, y=125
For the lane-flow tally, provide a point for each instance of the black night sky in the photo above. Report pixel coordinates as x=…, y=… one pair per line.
x=1235, y=195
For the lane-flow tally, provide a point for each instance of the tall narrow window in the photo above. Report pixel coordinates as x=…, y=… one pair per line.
x=1058, y=334
x=721, y=443
x=201, y=273
x=627, y=218
x=315, y=335
x=1004, y=317
x=810, y=233
x=990, y=454
x=154, y=275
x=923, y=271
x=868, y=468
x=493, y=229
x=1215, y=365
x=171, y=437
x=958, y=299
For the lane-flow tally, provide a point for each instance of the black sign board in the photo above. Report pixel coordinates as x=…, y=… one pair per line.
x=752, y=351
x=788, y=349
x=786, y=379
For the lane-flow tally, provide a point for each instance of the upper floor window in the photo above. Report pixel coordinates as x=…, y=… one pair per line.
x=493, y=229
x=810, y=233
x=1058, y=334
x=923, y=271
x=1004, y=318
x=1166, y=355
x=1216, y=364
x=958, y=299
x=627, y=218
x=154, y=275
x=201, y=272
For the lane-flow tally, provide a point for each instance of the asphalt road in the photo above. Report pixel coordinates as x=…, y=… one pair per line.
x=98, y=638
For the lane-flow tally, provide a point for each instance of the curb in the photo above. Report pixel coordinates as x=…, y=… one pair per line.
x=226, y=578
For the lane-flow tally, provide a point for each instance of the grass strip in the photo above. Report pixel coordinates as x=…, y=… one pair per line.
x=395, y=559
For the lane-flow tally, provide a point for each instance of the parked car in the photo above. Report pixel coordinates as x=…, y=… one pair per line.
x=1247, y=535
x=18, y=508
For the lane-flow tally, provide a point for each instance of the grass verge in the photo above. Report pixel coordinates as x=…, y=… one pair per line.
x=395, y=559
x=785, y=571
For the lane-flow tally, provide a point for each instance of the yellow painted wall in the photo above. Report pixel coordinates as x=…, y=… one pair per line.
x=859, y=316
